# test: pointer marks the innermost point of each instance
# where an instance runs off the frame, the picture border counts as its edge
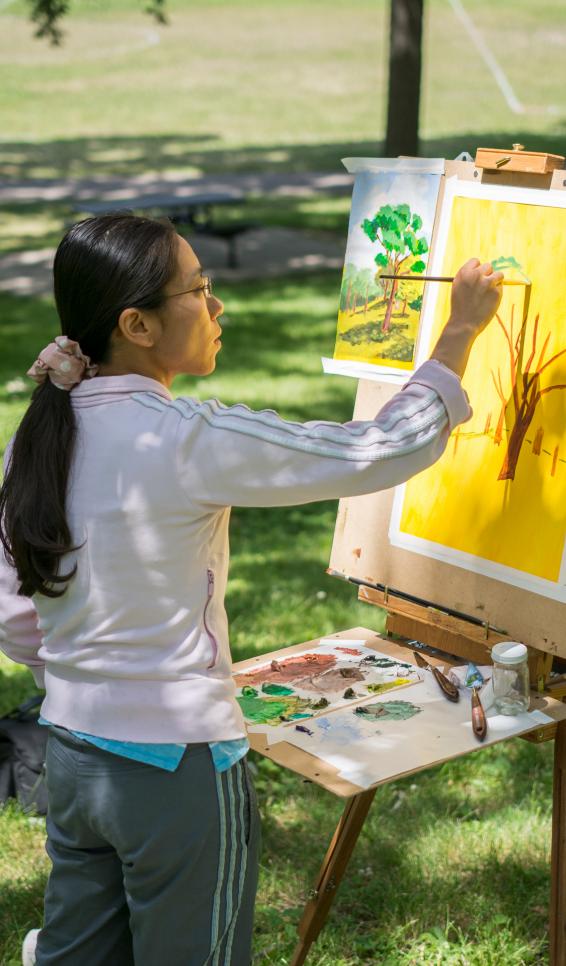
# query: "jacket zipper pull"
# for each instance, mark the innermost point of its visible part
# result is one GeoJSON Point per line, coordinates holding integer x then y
{"type": "Point", "coordinates": [210, 593]}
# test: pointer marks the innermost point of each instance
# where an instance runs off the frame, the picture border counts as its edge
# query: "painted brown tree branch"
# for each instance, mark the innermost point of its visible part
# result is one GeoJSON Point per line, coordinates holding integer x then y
{"type": "Point", "coordinates": [525, 390]}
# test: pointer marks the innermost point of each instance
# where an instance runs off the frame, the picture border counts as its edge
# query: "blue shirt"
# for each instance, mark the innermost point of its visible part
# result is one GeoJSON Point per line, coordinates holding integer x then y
{"type": "Point", "coordinates": [167, 756]}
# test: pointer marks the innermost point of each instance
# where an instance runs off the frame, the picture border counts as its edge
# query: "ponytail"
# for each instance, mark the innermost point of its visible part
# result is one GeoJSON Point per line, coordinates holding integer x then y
{"type": "Point", "coordinates": [33, 524]}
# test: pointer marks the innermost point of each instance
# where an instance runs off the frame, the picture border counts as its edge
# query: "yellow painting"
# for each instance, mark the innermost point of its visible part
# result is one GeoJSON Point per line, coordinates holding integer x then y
{"type": "Point", "coordinates": [495, 502]}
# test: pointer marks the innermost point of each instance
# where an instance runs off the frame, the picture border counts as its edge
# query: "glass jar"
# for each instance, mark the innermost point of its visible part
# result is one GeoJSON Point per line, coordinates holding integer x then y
{"type": "Point", "coordinates": [511, 686]}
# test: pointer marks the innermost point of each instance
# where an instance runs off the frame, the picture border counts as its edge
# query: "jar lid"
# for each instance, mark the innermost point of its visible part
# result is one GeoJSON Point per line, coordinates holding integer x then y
{"type": "Point", "coordinates": [508, 652]}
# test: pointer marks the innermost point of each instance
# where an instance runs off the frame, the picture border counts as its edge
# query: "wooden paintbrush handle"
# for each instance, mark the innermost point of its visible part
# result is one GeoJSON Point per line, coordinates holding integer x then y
{"type": "Point", "coordinates": [479, 720]}
{"type": "Point", "coordinates": [449, 689]}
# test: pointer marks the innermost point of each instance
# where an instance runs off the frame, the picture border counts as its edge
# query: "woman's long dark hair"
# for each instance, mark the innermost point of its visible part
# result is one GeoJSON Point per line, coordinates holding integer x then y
{"type": "Point", "coordinates": [103, 265]}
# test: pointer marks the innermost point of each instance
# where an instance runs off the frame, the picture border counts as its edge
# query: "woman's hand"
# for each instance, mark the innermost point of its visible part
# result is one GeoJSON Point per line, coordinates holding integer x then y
{"type": "Point", "coordinates": [476, 294]}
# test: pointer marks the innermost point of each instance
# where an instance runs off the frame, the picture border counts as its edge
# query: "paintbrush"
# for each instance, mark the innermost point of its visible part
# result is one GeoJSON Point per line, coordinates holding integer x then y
{"type": "Point", "coordinates": [443, 278]}
{"type": "Point", "coordinates": [448, 689]}
{"type": "Point", "coordinates": [479, 720]}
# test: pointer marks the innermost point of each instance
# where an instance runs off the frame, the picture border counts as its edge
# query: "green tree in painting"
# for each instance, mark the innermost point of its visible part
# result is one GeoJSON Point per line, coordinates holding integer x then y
{"type": "Point", "coordinates": [394, 228]}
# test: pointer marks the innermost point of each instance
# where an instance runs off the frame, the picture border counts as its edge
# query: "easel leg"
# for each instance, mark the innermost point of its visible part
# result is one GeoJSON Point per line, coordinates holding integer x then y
{"type": "Point", "coordinates": [558, 860]}
{"type": "Point", "coordinates": [331, 872]}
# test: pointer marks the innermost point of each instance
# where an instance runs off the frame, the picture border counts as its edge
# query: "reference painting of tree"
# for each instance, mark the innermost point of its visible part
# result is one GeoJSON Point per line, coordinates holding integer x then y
{"type": "Point", "coordinates": [394, 228]}
{"type": "Point", "coordinates": [389, 231]}
{"type": "Point", "coordinates": [526, 387]}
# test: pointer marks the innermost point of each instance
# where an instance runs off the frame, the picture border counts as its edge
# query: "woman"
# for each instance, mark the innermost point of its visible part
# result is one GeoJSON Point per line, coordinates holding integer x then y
{"type": "Point", "coordinates": [114, 521]}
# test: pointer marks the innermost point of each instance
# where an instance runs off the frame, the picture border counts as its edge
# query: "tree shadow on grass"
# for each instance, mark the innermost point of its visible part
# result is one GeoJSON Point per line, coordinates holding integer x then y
{"type": "Point", "coordinates": [88, 157]}
{"type": "Point", "coordinates": [395, 873]}
{"type": "Point", "coordinates": [277, 330]}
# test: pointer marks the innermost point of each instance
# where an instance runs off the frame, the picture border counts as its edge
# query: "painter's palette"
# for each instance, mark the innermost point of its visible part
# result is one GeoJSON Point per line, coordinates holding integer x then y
{"type": "Point", "coordinates": [332, 675]}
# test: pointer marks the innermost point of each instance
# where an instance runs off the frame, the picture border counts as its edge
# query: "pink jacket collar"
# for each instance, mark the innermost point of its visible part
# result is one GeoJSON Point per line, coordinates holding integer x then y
{"type": "Point", "coordinates": [101, 388]}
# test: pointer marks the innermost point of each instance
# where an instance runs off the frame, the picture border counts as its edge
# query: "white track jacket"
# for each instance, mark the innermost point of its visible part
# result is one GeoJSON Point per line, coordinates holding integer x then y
{"type": "Point", "coordinates": [137, 648]}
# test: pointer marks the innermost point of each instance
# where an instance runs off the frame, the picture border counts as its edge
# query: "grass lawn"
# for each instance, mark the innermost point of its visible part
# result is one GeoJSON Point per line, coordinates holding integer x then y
{"type": "Point", "coordinates": [452, 867]}
{"type": "Point", "coordinates": [264, 84]}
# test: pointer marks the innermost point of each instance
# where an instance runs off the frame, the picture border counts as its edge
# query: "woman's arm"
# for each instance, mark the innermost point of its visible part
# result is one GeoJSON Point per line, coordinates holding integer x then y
{"type": "Point", "coordinates": [20, 638]}
{"type": "Point", "coordinates": [234, 456]}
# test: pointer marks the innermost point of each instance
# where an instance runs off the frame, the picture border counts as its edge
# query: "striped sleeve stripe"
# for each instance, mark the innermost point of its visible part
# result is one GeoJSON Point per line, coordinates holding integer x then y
{"type": "Point", "coordinates": [417, 421]}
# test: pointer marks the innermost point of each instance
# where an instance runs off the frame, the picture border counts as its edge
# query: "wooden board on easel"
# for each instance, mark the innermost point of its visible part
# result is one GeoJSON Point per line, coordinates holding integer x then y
{"type": "Point", "coordinates": [362, 550]}
{"type": "Point", "coordinates": [321, 772]}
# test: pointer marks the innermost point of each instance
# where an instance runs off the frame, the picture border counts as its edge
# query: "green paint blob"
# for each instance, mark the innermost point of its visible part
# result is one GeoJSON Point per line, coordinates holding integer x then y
{"type": "Point", "coordinates": [275, 689]}
{"type": "Point", "coordinates": [249, 692]}
{"type": "Point", "coordinates": [259, 710]}
{"type": "Point", "coordinates": [394, 710]}
{"type": "Point", "coordinates": [264, 709]}
{"type": "Point", "coordinates": [507, 262]}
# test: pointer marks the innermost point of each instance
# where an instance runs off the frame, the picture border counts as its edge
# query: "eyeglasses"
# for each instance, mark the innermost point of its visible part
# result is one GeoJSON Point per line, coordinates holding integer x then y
{"type": "Point", "coordinates": [205, 287]}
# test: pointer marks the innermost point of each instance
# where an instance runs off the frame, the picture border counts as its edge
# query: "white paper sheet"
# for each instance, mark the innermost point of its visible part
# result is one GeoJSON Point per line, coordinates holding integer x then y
{"type": "Point", "coordinates": [364, 370]}
{"type": "Point", "coordinates": [367, 752]}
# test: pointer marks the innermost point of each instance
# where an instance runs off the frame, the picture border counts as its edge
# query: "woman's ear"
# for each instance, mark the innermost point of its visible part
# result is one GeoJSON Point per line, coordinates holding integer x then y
{"type": "Point", "coordinates": [136, 326]}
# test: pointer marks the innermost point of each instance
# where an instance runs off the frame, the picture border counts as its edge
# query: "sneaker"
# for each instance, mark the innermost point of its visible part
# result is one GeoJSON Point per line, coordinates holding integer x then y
{"type": "Point", "coordinates": [28, 947]}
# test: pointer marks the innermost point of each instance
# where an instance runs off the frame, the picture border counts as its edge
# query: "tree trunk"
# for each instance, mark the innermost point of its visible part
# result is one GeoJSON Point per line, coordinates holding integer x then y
{"type": "Point", "coordinates": [516, 441]}
{"type": "Point", "coordinates": [524, 416]}
{"type": "Point", "coordinates": [517, 437]}
{"type": "Point", "coordinates": [366, 305]}
{"type": "Point", "coordinates": [405, 46]}
{"type": "Point", "coordinates": [389, 311]}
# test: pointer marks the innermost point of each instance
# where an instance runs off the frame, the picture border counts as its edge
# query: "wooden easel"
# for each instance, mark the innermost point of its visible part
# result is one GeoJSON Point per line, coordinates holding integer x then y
{"type": "Point", "coordinates": [351, 823]}
{"type": "Point", "coordinates": [465, 636]}
{"type": "Point", "coordinates": [358, 802]}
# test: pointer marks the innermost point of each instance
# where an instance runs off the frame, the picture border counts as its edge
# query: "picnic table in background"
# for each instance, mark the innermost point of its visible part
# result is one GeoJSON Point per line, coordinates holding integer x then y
{"type": "Point", "coordinates": [197, 211]}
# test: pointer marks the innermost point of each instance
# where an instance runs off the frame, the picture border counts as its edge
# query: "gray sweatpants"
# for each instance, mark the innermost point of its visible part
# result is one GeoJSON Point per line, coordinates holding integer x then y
{"type": "Point", "coordinates": [150, 867]}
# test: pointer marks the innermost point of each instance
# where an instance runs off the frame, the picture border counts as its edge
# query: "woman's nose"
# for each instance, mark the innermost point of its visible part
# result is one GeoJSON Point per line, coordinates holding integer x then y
{"type": "Point", "coordinates": [216, 305]}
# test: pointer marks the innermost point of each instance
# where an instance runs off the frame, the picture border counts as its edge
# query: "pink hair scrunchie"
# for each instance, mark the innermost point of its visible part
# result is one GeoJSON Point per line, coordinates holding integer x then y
{"type": "Point", "coordinates": [63, 363]}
